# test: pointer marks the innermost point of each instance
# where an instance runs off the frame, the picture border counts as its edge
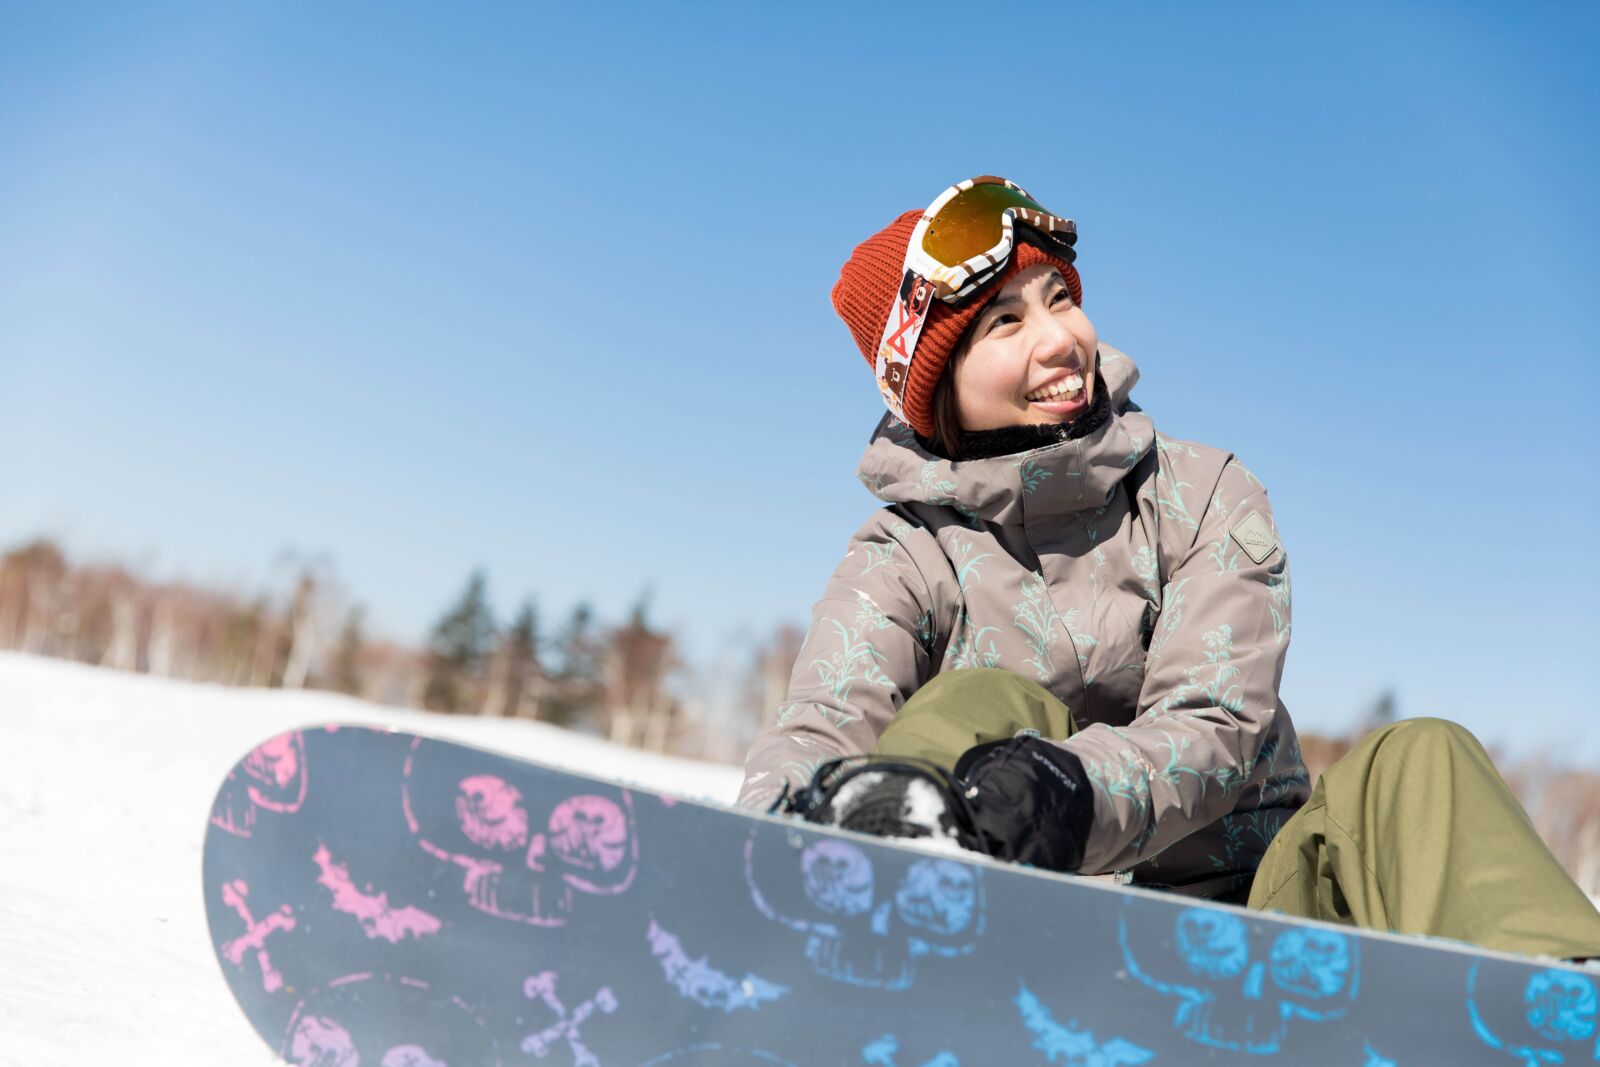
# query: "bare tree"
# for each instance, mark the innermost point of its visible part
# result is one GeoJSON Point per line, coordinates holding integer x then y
{"type": "Point", "coordinates": [91, 594]}
{"type": "Point", "coordinates": [270, 647]}
{"type": "Point", "coordinates": [30, 587]}
{"type": "Point", "coordinates": [126, 598]}
{"type": "Point", "coordinates": [773, 666]}
{"type": "Point", "coordinates": [162, 646]}
{"type": "Point", "coordinates": [347, 656]}
{"type": "Point", "coordinates": [514, 668]}
{"type": "Point", "coordinates": [637, 661]}
{"type": "Point", "coordinates": [393, 673]}
{"type": "Point", "coordinates": [304, 609]}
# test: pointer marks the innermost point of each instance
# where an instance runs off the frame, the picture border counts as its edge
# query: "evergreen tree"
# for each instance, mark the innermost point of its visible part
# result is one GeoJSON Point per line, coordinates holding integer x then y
{"type": "Point", "coordinates": [516, 665]}
{"type": "Point", "coordinates": [1381, 712]}
{"type": "Point", "coordinates": [239, 638]}
{"type": "Point", "coordinates": [347, 655]}
{"type": "Point", "coordinates": [458, 649]}
{"type": "Point", "coordinates": [637, 660]}
{"type": "Point", "coordinates": [576, 681]}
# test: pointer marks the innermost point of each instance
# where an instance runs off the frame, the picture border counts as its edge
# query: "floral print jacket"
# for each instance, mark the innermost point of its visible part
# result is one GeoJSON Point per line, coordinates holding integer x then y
{"type": "Point", "coordinates": [1138, 578]}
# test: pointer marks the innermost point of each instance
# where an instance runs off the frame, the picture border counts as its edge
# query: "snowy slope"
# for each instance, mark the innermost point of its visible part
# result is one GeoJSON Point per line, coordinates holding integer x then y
{"type": "Point", "coordinates": [106, 781]}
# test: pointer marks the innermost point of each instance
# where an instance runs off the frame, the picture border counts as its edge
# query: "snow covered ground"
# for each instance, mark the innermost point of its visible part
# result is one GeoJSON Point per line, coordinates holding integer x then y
{"type": "Point", "coordinates": [106, 782]}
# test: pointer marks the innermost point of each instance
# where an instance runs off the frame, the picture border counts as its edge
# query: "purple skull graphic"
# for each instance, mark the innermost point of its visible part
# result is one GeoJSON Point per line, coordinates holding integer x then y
{"type": "Point", "coordinates": [867, 918]}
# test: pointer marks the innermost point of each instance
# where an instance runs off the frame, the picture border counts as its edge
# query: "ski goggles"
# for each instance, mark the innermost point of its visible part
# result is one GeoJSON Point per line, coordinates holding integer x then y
{"type": "Point", "coordinates": [962, 242]}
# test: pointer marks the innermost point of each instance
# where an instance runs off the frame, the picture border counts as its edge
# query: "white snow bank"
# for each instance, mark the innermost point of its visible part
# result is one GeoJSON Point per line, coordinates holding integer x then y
{"type": "Point", "coordinates": [106, 781]}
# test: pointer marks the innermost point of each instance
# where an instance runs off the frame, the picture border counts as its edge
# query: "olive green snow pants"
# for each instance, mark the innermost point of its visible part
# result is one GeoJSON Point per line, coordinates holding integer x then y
{"type": "Point", "coordinates": [1411, 831]}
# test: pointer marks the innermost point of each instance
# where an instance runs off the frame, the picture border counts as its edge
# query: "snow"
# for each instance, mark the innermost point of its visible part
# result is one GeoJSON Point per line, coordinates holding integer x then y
{"type": "Point", "coordinates": [106, 786]}
{"type": "Point", "coordinates": [925, 806]}
{"type": "Point", "coordinates": [853, 789]}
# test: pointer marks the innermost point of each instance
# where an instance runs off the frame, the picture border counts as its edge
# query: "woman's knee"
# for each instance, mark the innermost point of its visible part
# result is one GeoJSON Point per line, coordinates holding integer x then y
{"type": "Point", "coordinates": [1408, 736]}
{"type": "Point", "coordinates": [993, 703]}
{"type": "Point", "coordinates": [974, 683]}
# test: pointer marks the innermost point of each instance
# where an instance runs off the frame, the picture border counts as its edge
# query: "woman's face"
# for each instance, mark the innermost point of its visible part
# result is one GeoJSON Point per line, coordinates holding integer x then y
{"type": "Point", "coordinates": [1030, 356]}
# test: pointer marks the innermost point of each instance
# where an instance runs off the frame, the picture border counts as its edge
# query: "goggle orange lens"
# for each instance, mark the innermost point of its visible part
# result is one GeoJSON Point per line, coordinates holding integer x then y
{"type": "Point", "coordinates": [969, 224]}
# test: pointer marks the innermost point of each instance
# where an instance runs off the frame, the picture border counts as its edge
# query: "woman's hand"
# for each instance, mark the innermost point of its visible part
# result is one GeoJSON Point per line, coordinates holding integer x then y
{"type": "Point", "coordinates": [1031, 801]}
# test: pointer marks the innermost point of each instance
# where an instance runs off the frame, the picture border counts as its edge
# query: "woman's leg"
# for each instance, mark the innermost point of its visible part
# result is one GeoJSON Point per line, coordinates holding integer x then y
{"type": "Point", "coordinates": [956, 710]}
{"type": "Point", "coordinates": [1414, 831]}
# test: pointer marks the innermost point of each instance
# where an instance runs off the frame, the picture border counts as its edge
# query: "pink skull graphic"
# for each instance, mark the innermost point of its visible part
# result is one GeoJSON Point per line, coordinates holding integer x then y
{"type": "Point", "coordinates": [271, 778]}
{"type": "Point", "coordinates": [485, 825]}
{"type": "Point", "coordinates": [867, 918]}
{"type": "Point", "coordinates": [236, 895]}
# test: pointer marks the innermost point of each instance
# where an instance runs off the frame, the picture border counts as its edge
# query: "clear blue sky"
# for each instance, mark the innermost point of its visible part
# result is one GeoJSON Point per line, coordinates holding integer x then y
{"type": "Point", "coordinates": [544, 289]}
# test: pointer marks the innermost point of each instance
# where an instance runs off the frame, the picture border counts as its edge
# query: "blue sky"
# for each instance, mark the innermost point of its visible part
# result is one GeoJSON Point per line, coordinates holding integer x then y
{"type": "Point", "coordinates": [423, 288]}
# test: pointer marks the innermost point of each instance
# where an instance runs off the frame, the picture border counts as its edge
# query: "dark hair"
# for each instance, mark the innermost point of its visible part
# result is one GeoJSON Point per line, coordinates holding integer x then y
{"type": "Point", "coordinates": [946, 422]}
{"type": "Point", "coordinates": [946, 419]}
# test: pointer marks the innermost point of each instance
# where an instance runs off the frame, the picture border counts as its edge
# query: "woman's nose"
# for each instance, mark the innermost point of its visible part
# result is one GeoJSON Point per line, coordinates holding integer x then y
{"type": "Point", "coordinates": [1053, 342]}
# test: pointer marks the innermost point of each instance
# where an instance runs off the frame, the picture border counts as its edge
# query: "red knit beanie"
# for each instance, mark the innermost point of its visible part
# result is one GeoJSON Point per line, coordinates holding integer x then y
{"type": "Point", "coordinates": [868, 283]}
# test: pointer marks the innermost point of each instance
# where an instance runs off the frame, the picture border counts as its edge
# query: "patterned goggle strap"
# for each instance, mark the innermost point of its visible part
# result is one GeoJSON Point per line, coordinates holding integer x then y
{"type": "Point", "coordinates": [899, 341]}
{"type": "Point", "coordinates": [958, 246]}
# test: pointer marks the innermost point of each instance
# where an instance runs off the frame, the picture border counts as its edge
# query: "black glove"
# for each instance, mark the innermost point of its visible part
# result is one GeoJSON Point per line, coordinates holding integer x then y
{"type": "Point", "coordinates": [1031, 800]}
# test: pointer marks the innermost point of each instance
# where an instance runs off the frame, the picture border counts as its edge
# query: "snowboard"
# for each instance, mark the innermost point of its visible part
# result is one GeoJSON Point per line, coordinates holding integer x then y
{"type": "Point", "coordinates": [384, 899]}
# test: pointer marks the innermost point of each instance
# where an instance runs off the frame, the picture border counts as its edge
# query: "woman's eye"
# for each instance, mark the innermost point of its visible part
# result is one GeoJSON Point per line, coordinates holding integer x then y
{"type": "Point", "coordinates": [1000, 320]}
{"type": "Point", "coordinates": [1060, 296]}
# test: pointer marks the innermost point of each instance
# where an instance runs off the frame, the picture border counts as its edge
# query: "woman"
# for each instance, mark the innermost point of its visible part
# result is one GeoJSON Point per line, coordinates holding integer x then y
{"type": "Point", "coordinates": [1087, 621]}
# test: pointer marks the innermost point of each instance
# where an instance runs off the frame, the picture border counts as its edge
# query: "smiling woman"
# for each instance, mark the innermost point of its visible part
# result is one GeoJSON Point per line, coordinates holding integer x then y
{"type": "Point", "coordinates": [1029, 360]}
{"type": "Point", "coordinates": [1061, 641]}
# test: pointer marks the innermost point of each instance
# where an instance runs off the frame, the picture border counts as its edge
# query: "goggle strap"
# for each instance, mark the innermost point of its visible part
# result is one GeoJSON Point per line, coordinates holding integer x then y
{"type": "Point", "coordinates": [907, 315]}
{"type": "Point", "coordinates": [1058, 242]}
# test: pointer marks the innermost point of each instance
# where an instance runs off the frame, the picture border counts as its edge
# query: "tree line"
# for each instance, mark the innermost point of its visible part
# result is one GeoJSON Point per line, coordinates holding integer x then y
{"type": "Point", "coordinates": [625, 681]}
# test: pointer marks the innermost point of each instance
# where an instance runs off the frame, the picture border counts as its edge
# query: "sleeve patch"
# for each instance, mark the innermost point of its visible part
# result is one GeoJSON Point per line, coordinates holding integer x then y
{"type": "Point", "coordinates": [1255, 537]}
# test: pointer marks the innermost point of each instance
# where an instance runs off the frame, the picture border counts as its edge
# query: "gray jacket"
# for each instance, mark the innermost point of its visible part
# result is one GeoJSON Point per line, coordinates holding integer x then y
{"type": "Point", "coordinates": [1138, 578]}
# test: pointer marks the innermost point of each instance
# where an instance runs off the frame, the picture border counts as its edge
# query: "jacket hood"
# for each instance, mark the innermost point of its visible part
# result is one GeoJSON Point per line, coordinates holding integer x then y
{"type": "Point", "coordinates": [1058, 479]}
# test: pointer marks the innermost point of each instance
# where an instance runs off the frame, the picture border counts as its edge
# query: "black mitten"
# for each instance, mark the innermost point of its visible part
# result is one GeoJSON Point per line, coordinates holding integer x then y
{"type": "Point", "coordinates": [1031, 801]}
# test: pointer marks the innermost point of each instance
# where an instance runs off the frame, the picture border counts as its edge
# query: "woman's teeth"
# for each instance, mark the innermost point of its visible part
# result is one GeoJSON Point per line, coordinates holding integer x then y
{"type": "Point", "coordinates": [1065, 389]}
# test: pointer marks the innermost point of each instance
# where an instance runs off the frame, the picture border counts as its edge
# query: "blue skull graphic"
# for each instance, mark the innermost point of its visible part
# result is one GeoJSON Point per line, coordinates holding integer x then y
{"type": "Point", "coordinates": [1236, 989]}
{"type": "Point", "coordinates": [1560, 1009]}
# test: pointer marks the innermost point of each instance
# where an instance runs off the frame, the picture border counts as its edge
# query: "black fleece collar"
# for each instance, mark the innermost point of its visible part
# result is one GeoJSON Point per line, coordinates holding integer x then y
{"type": "Point", "coordinates": [1009, 440]}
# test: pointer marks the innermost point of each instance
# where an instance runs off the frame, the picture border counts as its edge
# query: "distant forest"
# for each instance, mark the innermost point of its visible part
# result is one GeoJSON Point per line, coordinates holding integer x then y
{"type": "Point", "coordinates": [623, 680]}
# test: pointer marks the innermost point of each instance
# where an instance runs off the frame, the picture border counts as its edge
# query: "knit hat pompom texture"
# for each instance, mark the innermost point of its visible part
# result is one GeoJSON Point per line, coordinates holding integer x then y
{"type": "Point", "coordinates": [870, 280]}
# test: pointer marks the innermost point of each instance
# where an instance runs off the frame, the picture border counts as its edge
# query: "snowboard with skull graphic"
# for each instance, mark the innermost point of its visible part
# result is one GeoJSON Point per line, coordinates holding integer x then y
{"type": "Point", "coordinates": [381, 898]}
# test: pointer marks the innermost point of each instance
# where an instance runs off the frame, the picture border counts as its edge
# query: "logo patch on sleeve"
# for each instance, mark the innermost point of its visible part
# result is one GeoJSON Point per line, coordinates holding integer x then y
{"type": "Point", "coordinates": [1255, 537]}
